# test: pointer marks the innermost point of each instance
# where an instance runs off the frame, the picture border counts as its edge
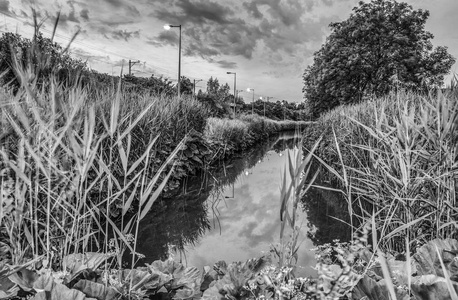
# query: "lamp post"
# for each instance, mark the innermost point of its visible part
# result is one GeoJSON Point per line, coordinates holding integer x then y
{"type": "Point", "coordinates": [194, 90]}
{"type": "Point", "coordinates": [252, 101]}
{"type": "Point", "coordinates": [235, 85]}
{"type": "Point", "coordinates": [167, 27]}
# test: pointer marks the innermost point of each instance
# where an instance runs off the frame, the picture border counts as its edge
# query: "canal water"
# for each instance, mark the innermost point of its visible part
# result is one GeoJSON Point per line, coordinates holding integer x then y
{"type": "Point", "coordinates": [232, 213]}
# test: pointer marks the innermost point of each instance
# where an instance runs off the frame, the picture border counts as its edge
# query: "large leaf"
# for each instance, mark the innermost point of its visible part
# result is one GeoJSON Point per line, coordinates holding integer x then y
{"type": "Point", "coordinates": [236, 277]}
{"type": "Point", "coordinates": [60, 292]}
{"type": "Point", "coordinates": [427, 258]}
{"type": "Point", "coordinates": [376, 290]}
{"type": "Point", "coordinates": [185, 282]}
{"type": "Point", "coordinates": [219, 289]}
{"type": "Point", "coordinates": [7, 288]}
{"type": "Point", "coordinates": [431, 287]}
{"type": "Point", "coordinates": [137, 278]}
{"type": "Point", "coordinates": [158, 280]}
{"type": "Point", "coordinates": [25, 278]}
{"type": "Point", "coordinates": [45, 282]}
{"type": "Point", "coordinates": [78, 262]}
{"type": "Point", "coordinates": [208, 277]}
{"type": "Point", "coordinates": [188, 283]}
{"type": "Point", "coordinates": [96, 290]}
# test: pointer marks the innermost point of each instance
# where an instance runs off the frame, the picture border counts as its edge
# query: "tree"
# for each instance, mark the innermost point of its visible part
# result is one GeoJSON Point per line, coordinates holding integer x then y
{"type": "Point", "coordinates": [186, 86]}
{"type": "Point", "coordinates": [382, 45]}
{"type": "Point", "coordinates": [212, 86]}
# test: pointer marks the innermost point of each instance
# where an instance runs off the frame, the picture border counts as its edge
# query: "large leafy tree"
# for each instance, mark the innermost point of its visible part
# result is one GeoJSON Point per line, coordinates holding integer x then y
{"type": "Point", "coordinates": [382, 45]}
{"type": "Point", "coordinates": [217, 97]}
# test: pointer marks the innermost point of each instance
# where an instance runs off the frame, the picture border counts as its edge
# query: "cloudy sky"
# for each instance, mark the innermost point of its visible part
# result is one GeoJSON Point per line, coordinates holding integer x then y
{"type": "Point", "coordinates": [268, 43]}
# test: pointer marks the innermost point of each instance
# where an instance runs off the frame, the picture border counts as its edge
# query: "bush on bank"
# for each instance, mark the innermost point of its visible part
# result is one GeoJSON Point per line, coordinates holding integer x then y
{"type": "Point", "coordinates": [227, 136]}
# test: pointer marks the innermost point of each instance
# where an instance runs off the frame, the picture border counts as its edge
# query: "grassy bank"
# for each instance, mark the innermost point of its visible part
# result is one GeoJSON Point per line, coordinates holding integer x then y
{"type": "Point", "coordinates": [399, 154]}
{"type": "Point", "coordinates": [395, 161]}
{"type": "Point", "coordinates": [80, 167]}
{"type": "Point", "coordinates": [233, 135]}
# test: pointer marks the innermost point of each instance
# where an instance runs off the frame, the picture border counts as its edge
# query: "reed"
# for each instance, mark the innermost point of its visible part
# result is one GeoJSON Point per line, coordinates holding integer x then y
{"type": "Point", "coordinates": [79, 168]}
{"type": "Point", "coordinates": [399, 154]}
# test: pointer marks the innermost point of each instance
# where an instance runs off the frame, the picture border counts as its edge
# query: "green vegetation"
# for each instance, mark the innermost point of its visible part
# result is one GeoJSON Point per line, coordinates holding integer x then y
{"type": "Point", "coordinates": [381, 46]}
{"type": "Point", "coordinates": [82, 162]}
{"type": "Point", "coordinates": [229, 135]}
{"type": "Point", "coordinates": [394, 159]}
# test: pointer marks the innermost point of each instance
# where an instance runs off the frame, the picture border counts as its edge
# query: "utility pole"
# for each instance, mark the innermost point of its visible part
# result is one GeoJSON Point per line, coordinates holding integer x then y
{"type": "Point", "coordinates": [131, 63]}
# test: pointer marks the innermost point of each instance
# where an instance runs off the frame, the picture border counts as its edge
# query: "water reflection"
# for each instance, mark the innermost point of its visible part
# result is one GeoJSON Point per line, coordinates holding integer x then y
{"type": "Point", "coordinates": [214, 202]}
{"type": "Point", "coordinates": [327, 214]}
{"type": "Point", "coordinates": [231, 212]}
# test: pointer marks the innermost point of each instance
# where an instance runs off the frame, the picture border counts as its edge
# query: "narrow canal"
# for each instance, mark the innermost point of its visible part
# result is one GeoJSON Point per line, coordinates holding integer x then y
{"type": "Point", "coordinates": [232, 213]}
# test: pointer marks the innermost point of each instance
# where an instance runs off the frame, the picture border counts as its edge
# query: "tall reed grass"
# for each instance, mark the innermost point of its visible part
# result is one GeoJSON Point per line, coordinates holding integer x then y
{"type": "Point", "coordinates": [79, 168]}
{"type": "Point", "coordinates": [400, 155]}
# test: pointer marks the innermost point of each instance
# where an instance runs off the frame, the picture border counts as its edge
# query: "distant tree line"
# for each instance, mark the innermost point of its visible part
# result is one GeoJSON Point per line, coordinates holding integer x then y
{"type": "Point", "coordinates": [47, 57]}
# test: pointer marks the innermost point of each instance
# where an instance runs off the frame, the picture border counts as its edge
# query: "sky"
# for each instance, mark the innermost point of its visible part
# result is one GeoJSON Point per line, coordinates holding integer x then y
{"type": "Point", "coordinates": [267, 43]}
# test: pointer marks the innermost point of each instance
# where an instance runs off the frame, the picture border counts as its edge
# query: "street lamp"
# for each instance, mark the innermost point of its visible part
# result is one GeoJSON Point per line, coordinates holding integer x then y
{"type": "Point", "coordinates": [252, 101]}
{"type": "Point", "coordinates": [235, 85]}
{"type": "Point", "coordinates": [167, 27]}
{"type": "Point", "coordinates": [194, 92]}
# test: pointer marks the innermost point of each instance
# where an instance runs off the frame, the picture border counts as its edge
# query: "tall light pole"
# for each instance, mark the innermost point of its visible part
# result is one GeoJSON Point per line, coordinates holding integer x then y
{"type": "Point", "coordinates": [235, 85]}
{"type": "Point", "coordinates": [252, 101]}
{"type": "Point", "coordinates": [167, 27]}
{"type": "Point", "coordinates": [194, 91]}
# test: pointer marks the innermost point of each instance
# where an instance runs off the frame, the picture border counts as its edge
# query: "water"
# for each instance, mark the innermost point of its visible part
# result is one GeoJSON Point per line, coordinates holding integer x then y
{"type": "Point", "coordinates": [232, 213]}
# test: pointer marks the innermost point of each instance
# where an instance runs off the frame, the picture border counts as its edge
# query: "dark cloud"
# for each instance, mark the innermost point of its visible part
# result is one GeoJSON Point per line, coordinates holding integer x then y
{"type": "Point", "coordinates": [115, 3]}
{"type": "Point", "coordinates": [5, 7]}
{"type": "Point", "coordinates": [253, 10]}
{"type": "Point", "coordinates": [84, 14]}
{"type": "Point", "coordinates": [131, 10]}
{"type": "Point", "coordinates": [194, 12]}
{"type": "Point", "coordinates": [212, 29]}
{"type": "Point", "coordinates": [168, 37]}
{"type": "Point", "coordinates": [209, 28]}
{"type": "Point", "coordinates": [125, 35]}
{"type": "Point", "coordinates": [227, 64]}
{"type": "Point", "coordinates": [68, 17]}
{"type": "Point", "coordinates": [288, 12]}
{"type": "Point", "coordinates": [196, 49]}
{"type": "Point", "coordinates": [64, 18]}
{"type": "Point", "coordinates": [116, 23]}
{"type": "Point", "coordinates": [330, 3]}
